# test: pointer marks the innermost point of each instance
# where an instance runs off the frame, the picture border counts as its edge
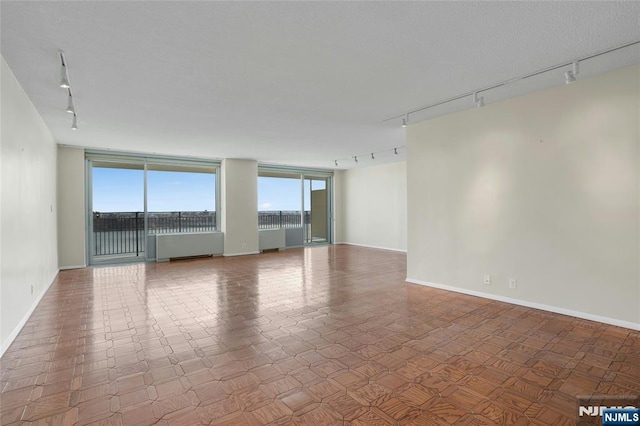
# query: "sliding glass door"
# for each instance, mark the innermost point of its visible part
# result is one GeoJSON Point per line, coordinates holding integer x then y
{"type": "Point", "coordinates": [116, 218]}
{"type": "Point", "coordinates": [297, 203]}
{"type": "Point", "coordinates": [130, 202]}
{"type": "Point", "coordinates": [316, 199]}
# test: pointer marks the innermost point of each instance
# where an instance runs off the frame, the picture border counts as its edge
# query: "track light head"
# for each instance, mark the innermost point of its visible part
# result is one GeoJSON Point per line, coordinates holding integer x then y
{"type": "Point", "coordinates": [569, 77]}
{"type": "Point", "coordinates": [478, 100]}
{"type": "Point", "coordinates": [64, 79]}
{"type": "Point", "coordinates": [356, 158]}
{"type": "Point", "coordinates": [74, 123]}
{"type": "Point", "coordinates": [336, 161]}
{"type": "Point", "coordinates": [395, 151]}
{"type": "Point", "coordinates": [404, 122]}
{"type": "Point", "coordinates": [64, 76]}
{"type": "Point", "coordinates": [70, 107]}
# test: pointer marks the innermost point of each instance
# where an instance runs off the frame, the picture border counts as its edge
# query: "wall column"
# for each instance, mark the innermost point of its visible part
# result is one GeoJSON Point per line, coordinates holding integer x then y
{"type": "Point", "coordinates": [71, 208]}
{"type": "Point", "coordinates": [239, 199]}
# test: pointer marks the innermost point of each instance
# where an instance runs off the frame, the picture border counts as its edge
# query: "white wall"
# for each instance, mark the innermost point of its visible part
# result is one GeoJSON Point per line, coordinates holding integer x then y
{"type": "Point", "coordinates": [373, 206]}
{"type": "Point", "coordinates": [543, 188]}
{"type": "Point", "coordinates": [239, 199]}
{"type": "Point", "coordinates": [28, 204]}
{"type": "Point", "coordinates": [71, 208]}
{"type": "Point", "coordinates": [338, 217]}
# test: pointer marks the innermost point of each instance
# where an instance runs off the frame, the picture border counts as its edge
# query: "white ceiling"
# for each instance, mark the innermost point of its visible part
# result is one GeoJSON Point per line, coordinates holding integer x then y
{"type": "Point", "coordinates": [300, 83]}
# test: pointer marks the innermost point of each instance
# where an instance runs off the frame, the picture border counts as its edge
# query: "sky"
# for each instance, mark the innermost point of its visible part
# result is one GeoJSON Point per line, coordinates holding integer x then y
{"type": "Point", "coordinates": [122, 190]}
{"type": "Point", "coordinates": [278, 194]}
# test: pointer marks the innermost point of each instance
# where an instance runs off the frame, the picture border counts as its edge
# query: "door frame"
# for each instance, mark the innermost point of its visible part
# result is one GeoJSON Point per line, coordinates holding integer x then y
{"type": "Point", "coordinates": [91, 258]}
{"type": "Point", "coordinates": [302, 174]}
{"type": "Point", "coordinates": [329, 207]}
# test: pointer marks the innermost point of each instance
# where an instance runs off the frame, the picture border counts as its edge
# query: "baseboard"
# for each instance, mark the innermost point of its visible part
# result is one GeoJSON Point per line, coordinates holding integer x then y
{"type": "Point", "coordinates": [34, 305]}
{"type": "Point", "coordinates": [240, 254]}
{"type": "Point", "coordinates": [373, 247]}
{"type": "Point", "coordinates": [64, 268]}
{"type": "Point", "coordinates": [548, 308]}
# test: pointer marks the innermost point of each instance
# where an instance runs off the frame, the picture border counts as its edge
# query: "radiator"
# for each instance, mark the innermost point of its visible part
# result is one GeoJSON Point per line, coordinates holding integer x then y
{"type": "Point", "coordinates": [169, 246]}
{"type": "Point", "coordinates": [271, 239]}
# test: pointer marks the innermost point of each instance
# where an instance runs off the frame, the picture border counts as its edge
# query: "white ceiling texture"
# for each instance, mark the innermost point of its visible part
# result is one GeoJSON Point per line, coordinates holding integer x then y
{"type": "Point", "coordinates": [298, 83]}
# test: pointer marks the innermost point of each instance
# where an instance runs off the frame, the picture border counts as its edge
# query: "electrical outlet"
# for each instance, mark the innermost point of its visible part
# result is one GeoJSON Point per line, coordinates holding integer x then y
{"type": "Point", "coordinates": [487, 279]}
{"type": "Point", "coordinates": [244, 246]}
{"type": "Point", "coordinates": [513, 283]}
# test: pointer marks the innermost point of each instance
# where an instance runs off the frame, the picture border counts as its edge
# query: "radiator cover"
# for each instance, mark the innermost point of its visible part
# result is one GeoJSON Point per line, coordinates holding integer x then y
{"type": "Point", "coordinates": [271, 239]}
{"type": "Point", "coordinates": [170, 246]}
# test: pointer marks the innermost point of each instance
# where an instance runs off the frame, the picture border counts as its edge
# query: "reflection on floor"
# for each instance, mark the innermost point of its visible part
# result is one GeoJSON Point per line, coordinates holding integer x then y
{"type": "Point", "coordinates": [314, 336]}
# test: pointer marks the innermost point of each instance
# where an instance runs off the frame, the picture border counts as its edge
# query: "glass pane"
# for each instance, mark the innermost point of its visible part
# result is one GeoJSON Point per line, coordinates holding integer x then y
{"type": "Point", "coordinates": [180, 201]}
{"type": "Point", "coordinates": [118, 211]}
{"type": "Point", "coordinates": [279, 201]}
{"type": "Point", "coordinates": [316, 210]}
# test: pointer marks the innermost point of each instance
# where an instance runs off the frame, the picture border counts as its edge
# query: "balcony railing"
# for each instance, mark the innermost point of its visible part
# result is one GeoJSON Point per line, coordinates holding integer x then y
{"type": "Point", "coordinates": [122, 233]}
{"type": "Point", "coordinates": [282, 219]}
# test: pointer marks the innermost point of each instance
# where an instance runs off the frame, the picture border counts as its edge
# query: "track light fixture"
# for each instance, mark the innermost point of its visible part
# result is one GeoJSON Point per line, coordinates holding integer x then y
{"type": "Point", "coordinates": [64, 75]}
{"type": "Point", "coordinates": [375, 155]}
{"type": "Point", "coordinates": [64, 80]}
{"type": "Point", "coordinates": [70, 108]}
{"type": "Point", "coordinates": [478, 101]}
{"type": "Point", "coordinates": [64, 83]}
{"type": "Point", "coordinates": [570, 76]}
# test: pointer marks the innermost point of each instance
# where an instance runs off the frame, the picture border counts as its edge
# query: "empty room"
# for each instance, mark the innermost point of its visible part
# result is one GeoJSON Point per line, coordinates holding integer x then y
{"type": "Point", "coordinates": [320, 213]}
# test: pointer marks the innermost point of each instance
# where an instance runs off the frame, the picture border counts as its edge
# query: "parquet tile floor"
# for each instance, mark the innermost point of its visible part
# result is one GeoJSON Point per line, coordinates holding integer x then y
{"type": "Point", "coordinates": [315, 336]}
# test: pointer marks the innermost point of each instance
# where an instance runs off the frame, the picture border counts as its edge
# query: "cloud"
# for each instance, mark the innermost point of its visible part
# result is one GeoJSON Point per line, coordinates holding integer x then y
{"type": "Point", "coordinates": [265, 206]}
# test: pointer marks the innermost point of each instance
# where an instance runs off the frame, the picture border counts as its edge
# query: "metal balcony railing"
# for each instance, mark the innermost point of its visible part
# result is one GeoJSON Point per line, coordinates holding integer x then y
{"type": "Point", "coordinates": [122, 233]}
{"type": "Point", "coordinates": [282, 219]}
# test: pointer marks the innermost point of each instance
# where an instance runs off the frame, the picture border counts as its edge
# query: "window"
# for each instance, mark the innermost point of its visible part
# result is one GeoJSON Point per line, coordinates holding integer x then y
{"type": "Point", "coordinates": [133, 198]}
{"type": "Point", "coordinates": [180, 199]}
{"type": "Point", "coordinates": [279, 202]}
